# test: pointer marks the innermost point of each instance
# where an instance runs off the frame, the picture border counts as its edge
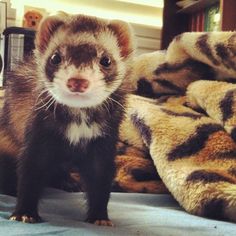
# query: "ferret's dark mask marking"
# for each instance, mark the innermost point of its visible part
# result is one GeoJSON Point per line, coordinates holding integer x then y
{"type": "Point", "coordinates": [110, 72]}
{"type": "Point", "coordinates": [105, 61]}
{"type": "Point", "coordinates": [81, 55]}
{"type": "Point", "coordinates": [50, 69]}
{"type": "Point", "coordinates": [55, 59]}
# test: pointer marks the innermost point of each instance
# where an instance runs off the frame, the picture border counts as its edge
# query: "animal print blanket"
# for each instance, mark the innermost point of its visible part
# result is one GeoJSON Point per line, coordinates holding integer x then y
{"type": "Point", "coordinates": [180, 124]}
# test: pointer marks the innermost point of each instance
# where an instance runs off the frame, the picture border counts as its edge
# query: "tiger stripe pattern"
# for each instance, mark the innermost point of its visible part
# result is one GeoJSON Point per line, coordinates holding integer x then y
{"type": "Point", "coordinates": [187, 121]}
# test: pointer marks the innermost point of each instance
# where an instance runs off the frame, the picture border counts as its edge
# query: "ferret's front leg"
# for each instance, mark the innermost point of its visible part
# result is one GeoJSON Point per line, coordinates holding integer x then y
{"type": "Point", "coordinates": [35, 165]}
{"type": "Point", "coordinates": [97, 173]}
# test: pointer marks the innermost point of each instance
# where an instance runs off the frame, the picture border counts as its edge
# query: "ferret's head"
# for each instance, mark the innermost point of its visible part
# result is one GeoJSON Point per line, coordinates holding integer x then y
{"type": "Point", "coordinates": [82, 60]}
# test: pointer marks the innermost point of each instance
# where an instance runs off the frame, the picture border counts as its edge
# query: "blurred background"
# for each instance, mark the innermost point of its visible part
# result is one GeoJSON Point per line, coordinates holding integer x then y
{"type": "Point", "coordinates": [144, 15]}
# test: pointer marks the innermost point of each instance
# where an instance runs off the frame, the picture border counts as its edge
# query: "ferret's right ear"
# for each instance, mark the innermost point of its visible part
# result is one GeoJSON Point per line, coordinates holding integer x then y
{"type": "Point", "coordinates": [124, 34]}
{"type": "Point", "coordinates": [46, 29]}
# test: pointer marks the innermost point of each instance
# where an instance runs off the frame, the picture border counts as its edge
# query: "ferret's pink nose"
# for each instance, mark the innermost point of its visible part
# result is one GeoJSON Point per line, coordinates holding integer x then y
{"type": "Point", "coordinates": [77, 85]}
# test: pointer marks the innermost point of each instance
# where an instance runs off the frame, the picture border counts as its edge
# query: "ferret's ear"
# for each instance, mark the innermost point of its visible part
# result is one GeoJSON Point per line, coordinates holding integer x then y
{"type": "Point", "coordinates": [124, 33]}
{"type": "Point", "coordinates": [46, 29]}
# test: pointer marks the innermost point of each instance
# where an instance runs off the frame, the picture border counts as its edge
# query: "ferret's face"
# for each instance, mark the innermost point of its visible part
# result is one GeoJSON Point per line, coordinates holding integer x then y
{"type": "Point", "coordinates": [82, 68]}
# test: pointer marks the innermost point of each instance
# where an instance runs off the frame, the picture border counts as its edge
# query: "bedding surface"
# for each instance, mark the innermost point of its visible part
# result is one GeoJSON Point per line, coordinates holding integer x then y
{"type": "Point", "coordinates": [132, 214]}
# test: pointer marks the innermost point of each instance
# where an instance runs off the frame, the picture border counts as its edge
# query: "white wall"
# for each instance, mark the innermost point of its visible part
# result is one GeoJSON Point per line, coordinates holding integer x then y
{"type": "Point", "coordinates": [144, 15]}
{"type": "Point", "coordinates": [148, 39]}
{"type": "Point", "coordinates": [132, 12]}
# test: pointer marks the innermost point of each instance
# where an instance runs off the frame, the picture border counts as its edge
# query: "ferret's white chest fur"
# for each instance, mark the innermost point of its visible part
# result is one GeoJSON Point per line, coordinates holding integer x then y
{"type": "Point", "coordinates": [75, 132]}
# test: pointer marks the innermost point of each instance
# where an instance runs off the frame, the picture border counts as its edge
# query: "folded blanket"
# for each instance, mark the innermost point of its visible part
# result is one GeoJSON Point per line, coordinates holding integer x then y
{"type": "Point", "coordinates": [181, 119]}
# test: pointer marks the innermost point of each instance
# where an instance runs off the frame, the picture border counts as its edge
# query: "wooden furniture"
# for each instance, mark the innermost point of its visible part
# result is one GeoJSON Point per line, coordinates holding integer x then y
{"type": "Point", "coordinates": [176, 20]}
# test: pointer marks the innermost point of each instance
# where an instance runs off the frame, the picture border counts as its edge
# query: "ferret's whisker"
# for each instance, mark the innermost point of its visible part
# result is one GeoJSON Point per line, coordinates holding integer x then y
{"type": "Point", "coordinates": [43, 100]}
{"type": "Point", "coordinates": [41, 94]}
{"type": "Point", "coordinates": [54, 110]}
{"type": "Point", "coordinates": [53, 100]}
{"type": "Point", "coordinates": [44, 105]}
{"type": "Point", "coordinates": [117, 102]}
{"type": "Point", "coordinates": [106, 105]}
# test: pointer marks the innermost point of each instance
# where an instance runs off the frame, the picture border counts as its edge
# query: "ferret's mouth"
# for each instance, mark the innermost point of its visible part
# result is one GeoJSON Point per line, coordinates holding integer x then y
{"type": "Point", "coordinates": [79, 100]}
{"type": "Point", "coordinates": [75, 95]}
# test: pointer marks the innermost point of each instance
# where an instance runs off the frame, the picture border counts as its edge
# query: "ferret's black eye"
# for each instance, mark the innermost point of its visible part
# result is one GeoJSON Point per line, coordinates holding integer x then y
{"type": "Point", "coordinates": [55, 59]}
{"type": "Point", "coordinates": [105, 61]}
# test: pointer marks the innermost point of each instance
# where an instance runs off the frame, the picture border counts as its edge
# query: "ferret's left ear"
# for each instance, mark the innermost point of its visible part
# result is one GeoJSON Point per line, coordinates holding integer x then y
{"type": "Point", "coordinates": [124, 34]}
{"type": "Point", "coordinates": [47, 28]}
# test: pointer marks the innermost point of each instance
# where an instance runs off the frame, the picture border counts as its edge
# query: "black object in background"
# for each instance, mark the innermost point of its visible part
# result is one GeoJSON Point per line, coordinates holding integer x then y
{"type": "Point", "coordinates": [19, 44]}
{"type": "Point", "coordinates": [1, 64]}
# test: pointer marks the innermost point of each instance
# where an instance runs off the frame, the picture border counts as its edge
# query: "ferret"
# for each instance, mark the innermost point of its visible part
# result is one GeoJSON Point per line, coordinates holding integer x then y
{"type": "Point", "coordinates": [65, 106]}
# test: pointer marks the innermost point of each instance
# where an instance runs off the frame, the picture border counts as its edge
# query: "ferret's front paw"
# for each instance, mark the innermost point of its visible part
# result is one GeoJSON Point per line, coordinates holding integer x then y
{"type": "Point", "coordinates": [103, 223]}
{"type": "Point", "coordinates": [25, 218]}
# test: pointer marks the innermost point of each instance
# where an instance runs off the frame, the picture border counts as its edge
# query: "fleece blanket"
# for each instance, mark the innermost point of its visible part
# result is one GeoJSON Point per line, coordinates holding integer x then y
{"type": "Point", "coordinates": [180, 125]}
